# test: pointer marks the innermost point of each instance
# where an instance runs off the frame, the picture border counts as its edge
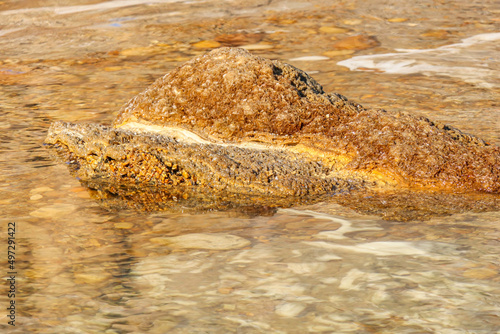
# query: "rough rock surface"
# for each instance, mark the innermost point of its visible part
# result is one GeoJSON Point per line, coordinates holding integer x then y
{"type": "Point", "coordinates": [230, 120]}
{"type": "Point", "coordinates": [126, 157]}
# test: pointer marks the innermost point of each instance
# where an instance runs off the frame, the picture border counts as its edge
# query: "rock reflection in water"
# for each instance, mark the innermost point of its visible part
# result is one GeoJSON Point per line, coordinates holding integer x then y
{"type": "Point", "coordinates": [402, 205]}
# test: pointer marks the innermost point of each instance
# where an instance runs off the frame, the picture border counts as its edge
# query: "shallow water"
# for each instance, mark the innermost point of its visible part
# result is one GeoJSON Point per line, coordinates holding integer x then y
{"type": "Point", "coordinates": [322, 268]}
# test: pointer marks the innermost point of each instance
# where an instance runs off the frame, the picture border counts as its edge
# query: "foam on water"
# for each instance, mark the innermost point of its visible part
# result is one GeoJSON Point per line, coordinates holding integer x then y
{"type": "Point", "coordinates": [328, 239]}
{"type": "Point", "coordinates": [84, 8]}
{"type": "Point", "coordinates": [472, 60]}
{"type": "Point", "coordinates": [347, 226]}
{"type": "Point", "coordinates": [380, 248]}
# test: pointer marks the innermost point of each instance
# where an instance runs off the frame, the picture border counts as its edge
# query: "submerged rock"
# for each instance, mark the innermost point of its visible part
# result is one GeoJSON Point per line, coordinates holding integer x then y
{"type": "Point", "coordinates": [232, 121]}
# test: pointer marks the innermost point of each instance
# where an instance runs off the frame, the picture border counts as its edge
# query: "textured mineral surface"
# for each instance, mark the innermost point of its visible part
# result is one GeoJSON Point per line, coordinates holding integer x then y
{"type": "Point", "coordinates": [231, 121]}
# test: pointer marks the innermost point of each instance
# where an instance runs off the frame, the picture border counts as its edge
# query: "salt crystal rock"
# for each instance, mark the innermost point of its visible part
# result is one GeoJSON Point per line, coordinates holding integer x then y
{"type": "Point", "coordinates": [481, 273]}
{"type": "Point", "coordinates": [36, 197]}
{"type": "Point", "coordinates": [229, 120]}
{"type": "Point", "coordinates": [310, 58]}
{"type": "Point", "coordinates": [359, 42]}
{"type": "Point", "coordinates": [40, 190]}
{"type": "Point", "coordinates": [289, 310]}
{"type": "Point", "coordinates": [333, 30]}
{"type": "Point", "coordinates": [54, 211]}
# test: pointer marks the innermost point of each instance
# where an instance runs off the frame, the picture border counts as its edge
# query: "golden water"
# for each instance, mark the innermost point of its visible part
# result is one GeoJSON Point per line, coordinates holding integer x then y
{"type": "Point", "coordinates": [320, 268]}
